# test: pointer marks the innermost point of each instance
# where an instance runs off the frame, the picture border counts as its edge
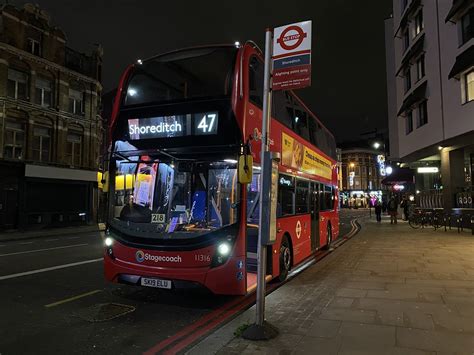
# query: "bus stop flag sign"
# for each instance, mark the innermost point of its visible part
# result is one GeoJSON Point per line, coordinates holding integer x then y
{"type": "Point", "coordinates": [292, 56]}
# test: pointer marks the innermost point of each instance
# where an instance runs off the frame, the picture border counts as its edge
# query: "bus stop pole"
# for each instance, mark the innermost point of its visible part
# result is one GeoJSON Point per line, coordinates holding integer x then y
{"type": "Point", "coordinates": [261, 251]}
{"type": "Point", "coordinates": [262, 330]}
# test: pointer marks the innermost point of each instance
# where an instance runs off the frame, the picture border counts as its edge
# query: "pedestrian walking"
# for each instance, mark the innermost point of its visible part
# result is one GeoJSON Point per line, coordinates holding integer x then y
{"type": "Point", "coordinates": [404, 205]}
{"type": "Point", "coordinates": [392, 207]}
{"type": "Point", "coordinates": [378, 211]}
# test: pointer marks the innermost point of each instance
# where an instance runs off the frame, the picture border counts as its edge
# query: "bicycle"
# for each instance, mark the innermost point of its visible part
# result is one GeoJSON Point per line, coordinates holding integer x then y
{"type": "Point", "coordinates": [420, 218]}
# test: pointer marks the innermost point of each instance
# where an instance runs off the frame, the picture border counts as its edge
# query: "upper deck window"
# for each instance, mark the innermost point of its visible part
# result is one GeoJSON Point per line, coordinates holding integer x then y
{"type": "Point", "coordinates": [182, 75]}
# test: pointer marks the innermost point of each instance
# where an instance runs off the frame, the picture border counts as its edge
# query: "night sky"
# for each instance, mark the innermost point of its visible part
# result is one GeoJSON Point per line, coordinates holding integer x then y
{"type": "Point", "coordinates": [348, 91]}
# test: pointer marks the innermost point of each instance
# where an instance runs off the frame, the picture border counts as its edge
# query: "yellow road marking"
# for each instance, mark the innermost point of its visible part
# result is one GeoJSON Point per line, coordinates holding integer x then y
{"type": "Point", "coordinates": [72, 298]}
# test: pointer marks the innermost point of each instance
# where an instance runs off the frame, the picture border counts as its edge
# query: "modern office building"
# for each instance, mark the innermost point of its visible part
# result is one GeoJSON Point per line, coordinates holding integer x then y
{"type": "Point", "coordinates": [430, 86]}
{"type": "Point", "coordinates": [50, 127]}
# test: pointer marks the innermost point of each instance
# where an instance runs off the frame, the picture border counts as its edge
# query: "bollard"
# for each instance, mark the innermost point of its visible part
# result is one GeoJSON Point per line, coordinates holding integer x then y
{"type": "Point", "coordinates": [457, 222]}
{"type": "Point", "coordinates": [445, 220]}
{"type": "Point", "coordinates": [449, 219]}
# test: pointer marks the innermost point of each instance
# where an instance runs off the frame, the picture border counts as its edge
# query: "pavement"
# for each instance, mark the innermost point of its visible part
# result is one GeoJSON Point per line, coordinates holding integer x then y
{"type": "Point", "coordinates": [389, 290]}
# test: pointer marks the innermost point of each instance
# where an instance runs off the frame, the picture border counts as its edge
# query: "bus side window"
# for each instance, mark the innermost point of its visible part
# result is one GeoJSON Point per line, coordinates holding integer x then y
{"type": "Point", "coordinates": [286, 195]}
{"type": "Point", "coordinates": [256, 81]}
{"type": "Point", "coordinates": [301, 124]}
{"type": "Point", "coordinates": [281, 110]}
{"type": "Point", "coordinates": [325, 198]}
{"type": "Point", "coordinates": [302, 194]}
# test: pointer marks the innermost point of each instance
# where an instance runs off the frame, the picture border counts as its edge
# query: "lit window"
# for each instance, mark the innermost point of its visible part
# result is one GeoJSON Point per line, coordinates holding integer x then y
{"type": "Point", "coordinates": [469, 79]}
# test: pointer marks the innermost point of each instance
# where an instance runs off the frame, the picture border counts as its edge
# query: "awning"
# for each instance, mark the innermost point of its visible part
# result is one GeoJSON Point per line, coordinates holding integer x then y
{"type": "Point", "coordinates": [415, 49]}
{"type": "Point", "coordinates": [457, 7]}
{"type": "Point", "coordinates": [463, 62]}
{"type": "Point", "coordinates": [400, 176]}
{"type": "Point", "coordinates": [416, 96]}
{"type": "Point", "coordinates": [408, 11]}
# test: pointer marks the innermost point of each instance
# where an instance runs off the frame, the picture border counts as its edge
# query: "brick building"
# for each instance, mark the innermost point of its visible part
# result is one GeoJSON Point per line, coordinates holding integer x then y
{"type": "Point", "coordinates": [50, 125]}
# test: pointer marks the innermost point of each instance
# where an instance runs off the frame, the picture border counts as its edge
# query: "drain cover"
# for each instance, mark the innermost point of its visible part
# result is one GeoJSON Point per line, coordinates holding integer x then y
{"type": "Point", "coordinates": [104, 311]}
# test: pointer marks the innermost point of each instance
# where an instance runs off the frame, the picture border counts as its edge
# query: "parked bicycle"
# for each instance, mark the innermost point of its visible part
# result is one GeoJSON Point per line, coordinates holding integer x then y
{"type": "Point", "coordinates": [421, 218]}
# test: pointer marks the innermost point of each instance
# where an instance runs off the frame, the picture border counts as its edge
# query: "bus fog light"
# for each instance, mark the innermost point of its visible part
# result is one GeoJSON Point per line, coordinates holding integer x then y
{"type": "Point", "coordinates": [108, 242]}
{"type": "Point", "coordinates": [223, 249]}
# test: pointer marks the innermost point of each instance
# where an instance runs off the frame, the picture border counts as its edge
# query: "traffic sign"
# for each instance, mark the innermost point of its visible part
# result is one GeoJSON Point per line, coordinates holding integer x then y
{"type": "Point", "coordinates": [292, 56]}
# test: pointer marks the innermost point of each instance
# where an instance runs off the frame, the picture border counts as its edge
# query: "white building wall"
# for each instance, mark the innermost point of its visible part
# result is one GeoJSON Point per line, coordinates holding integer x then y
{"type": "Point", "coordinates": [447, 115]}
{"type": "Point", "coordinates": [459, 116]}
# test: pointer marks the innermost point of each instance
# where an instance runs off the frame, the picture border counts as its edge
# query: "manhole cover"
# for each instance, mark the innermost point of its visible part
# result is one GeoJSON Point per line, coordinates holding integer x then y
{"type": "Point", "coordinates": [104, 311]}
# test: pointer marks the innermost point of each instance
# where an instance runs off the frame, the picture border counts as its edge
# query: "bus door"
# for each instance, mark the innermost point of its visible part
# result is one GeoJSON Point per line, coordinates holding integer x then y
{"type": "Point", "coordinates": [314, 208]}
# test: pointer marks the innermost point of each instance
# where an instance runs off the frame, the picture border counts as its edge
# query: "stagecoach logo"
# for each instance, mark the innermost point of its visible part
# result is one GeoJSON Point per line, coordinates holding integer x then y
{"type": "Point", "coordinates": [140, 256]}
{"type": "Point", "coordinates": [291, 37]}
{"type": "Point", "coordinates": [298, 229]}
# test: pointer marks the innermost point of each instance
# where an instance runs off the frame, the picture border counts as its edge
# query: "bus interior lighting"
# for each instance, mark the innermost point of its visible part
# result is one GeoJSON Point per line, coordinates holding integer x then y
{"type": "Point", "coordinates": [139, 61]}
{"type": "Point", "coordinates": [132, 92]}
{"type": "Point", "coordinates": [231, 161]}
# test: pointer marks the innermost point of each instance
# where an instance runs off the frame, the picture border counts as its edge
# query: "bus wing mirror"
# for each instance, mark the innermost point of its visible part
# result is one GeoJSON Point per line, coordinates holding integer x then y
{"type": "Point", "coordinates": [245, 168]}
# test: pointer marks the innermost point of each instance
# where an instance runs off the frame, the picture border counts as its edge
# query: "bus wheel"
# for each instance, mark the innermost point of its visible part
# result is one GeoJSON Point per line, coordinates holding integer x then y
{"type": "Point", "coordinates": [328, 238]}
{"type": "Point", "coordinates": [285, 259]}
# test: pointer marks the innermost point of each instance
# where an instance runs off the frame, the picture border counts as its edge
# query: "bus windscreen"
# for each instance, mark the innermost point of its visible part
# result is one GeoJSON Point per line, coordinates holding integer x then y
{"type": "Point", "coordinates": [189, 74]}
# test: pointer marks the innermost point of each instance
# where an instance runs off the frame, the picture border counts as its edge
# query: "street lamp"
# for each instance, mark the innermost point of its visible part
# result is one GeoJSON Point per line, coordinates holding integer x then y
{"type": "Point", "coordinates": [376, 145]}
{"type": "Point", "coordinates": [351, 165]}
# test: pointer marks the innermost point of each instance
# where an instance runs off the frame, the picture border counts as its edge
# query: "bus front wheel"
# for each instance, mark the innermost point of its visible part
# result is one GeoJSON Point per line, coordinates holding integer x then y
{"type": "Point", "coordinates": [285, 259]}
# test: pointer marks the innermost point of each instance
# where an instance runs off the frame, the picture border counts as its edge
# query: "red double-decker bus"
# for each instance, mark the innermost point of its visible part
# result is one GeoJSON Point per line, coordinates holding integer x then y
{"type": "Point", "coordinates": [178, 216]}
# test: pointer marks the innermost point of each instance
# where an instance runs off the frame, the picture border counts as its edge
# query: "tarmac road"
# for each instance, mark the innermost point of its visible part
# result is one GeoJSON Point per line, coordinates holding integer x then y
{"type": "Point", "coordinates": [51, 287]}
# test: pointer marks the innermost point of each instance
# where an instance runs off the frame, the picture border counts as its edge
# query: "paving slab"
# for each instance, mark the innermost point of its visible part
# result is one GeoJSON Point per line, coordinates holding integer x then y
{"type": "Point", "coordinates": [388, 290]}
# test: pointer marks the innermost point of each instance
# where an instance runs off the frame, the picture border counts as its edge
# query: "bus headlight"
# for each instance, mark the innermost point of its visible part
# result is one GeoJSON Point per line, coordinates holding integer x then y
{"type": "Point", "coordinates": [108, 242]}
{"type": "Point", "coordinates": [223, 249]}
{"type": "Point", "coordinates": [222, 253]}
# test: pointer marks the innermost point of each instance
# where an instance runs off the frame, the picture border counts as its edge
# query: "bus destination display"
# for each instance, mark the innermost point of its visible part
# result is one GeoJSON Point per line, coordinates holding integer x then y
{"type": "Point", "coordinates": [195, 124]}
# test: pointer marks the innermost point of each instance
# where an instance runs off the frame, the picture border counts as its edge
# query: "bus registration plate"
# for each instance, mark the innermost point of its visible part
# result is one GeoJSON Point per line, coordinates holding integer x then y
{"type": "Point", "coordinates": [158, 283]}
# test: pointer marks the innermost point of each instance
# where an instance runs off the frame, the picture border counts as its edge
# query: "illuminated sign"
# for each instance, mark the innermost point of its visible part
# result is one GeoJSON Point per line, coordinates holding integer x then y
{"type": "Point", "coordinates": [285, 182]}
{"type": "Point", "coordinates": [381, 161]}
{"type": "Point", "coordinates": [428, 169]}
{"type": "Point", "coordinates": [173, 126]}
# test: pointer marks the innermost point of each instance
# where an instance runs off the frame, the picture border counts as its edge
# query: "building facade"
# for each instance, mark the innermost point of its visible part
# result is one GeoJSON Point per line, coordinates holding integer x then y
{"type": "Point", "coordinates": [430, 86]}
{"type": "Point", "coordinates": [362, 171]}
{"type": "Point", "coordinates": [50, 127]}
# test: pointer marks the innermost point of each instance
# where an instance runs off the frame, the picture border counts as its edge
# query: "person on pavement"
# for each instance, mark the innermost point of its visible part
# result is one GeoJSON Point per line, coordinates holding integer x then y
{"type": "Point", "coordinates": [392, 207]}
{"type": "Point", "coordinates": [378, 210]}
{"type": "Point", "coordinates": [404, 205]}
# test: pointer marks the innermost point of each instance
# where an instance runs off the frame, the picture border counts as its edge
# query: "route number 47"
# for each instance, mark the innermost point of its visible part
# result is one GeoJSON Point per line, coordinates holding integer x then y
{"type": "Point", "coordinates": [206, 125]}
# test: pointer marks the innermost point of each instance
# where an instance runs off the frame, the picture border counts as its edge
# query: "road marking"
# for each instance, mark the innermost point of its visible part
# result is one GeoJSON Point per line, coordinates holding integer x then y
{"type": "Point", "coordinates": [24, 243]}
{"type": "Point", "coordinates": [45, 249]}
{"type": "Point", "coordinates": [72, 298]}
{"type": "Point", "coordinates": [51, 240]}
{"type": "Point", "coordinates": [20, 274]}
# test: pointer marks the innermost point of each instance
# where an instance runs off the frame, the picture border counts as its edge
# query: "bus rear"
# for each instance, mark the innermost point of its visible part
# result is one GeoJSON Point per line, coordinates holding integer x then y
{"type": "Point", "coordinates": [174, 214]}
